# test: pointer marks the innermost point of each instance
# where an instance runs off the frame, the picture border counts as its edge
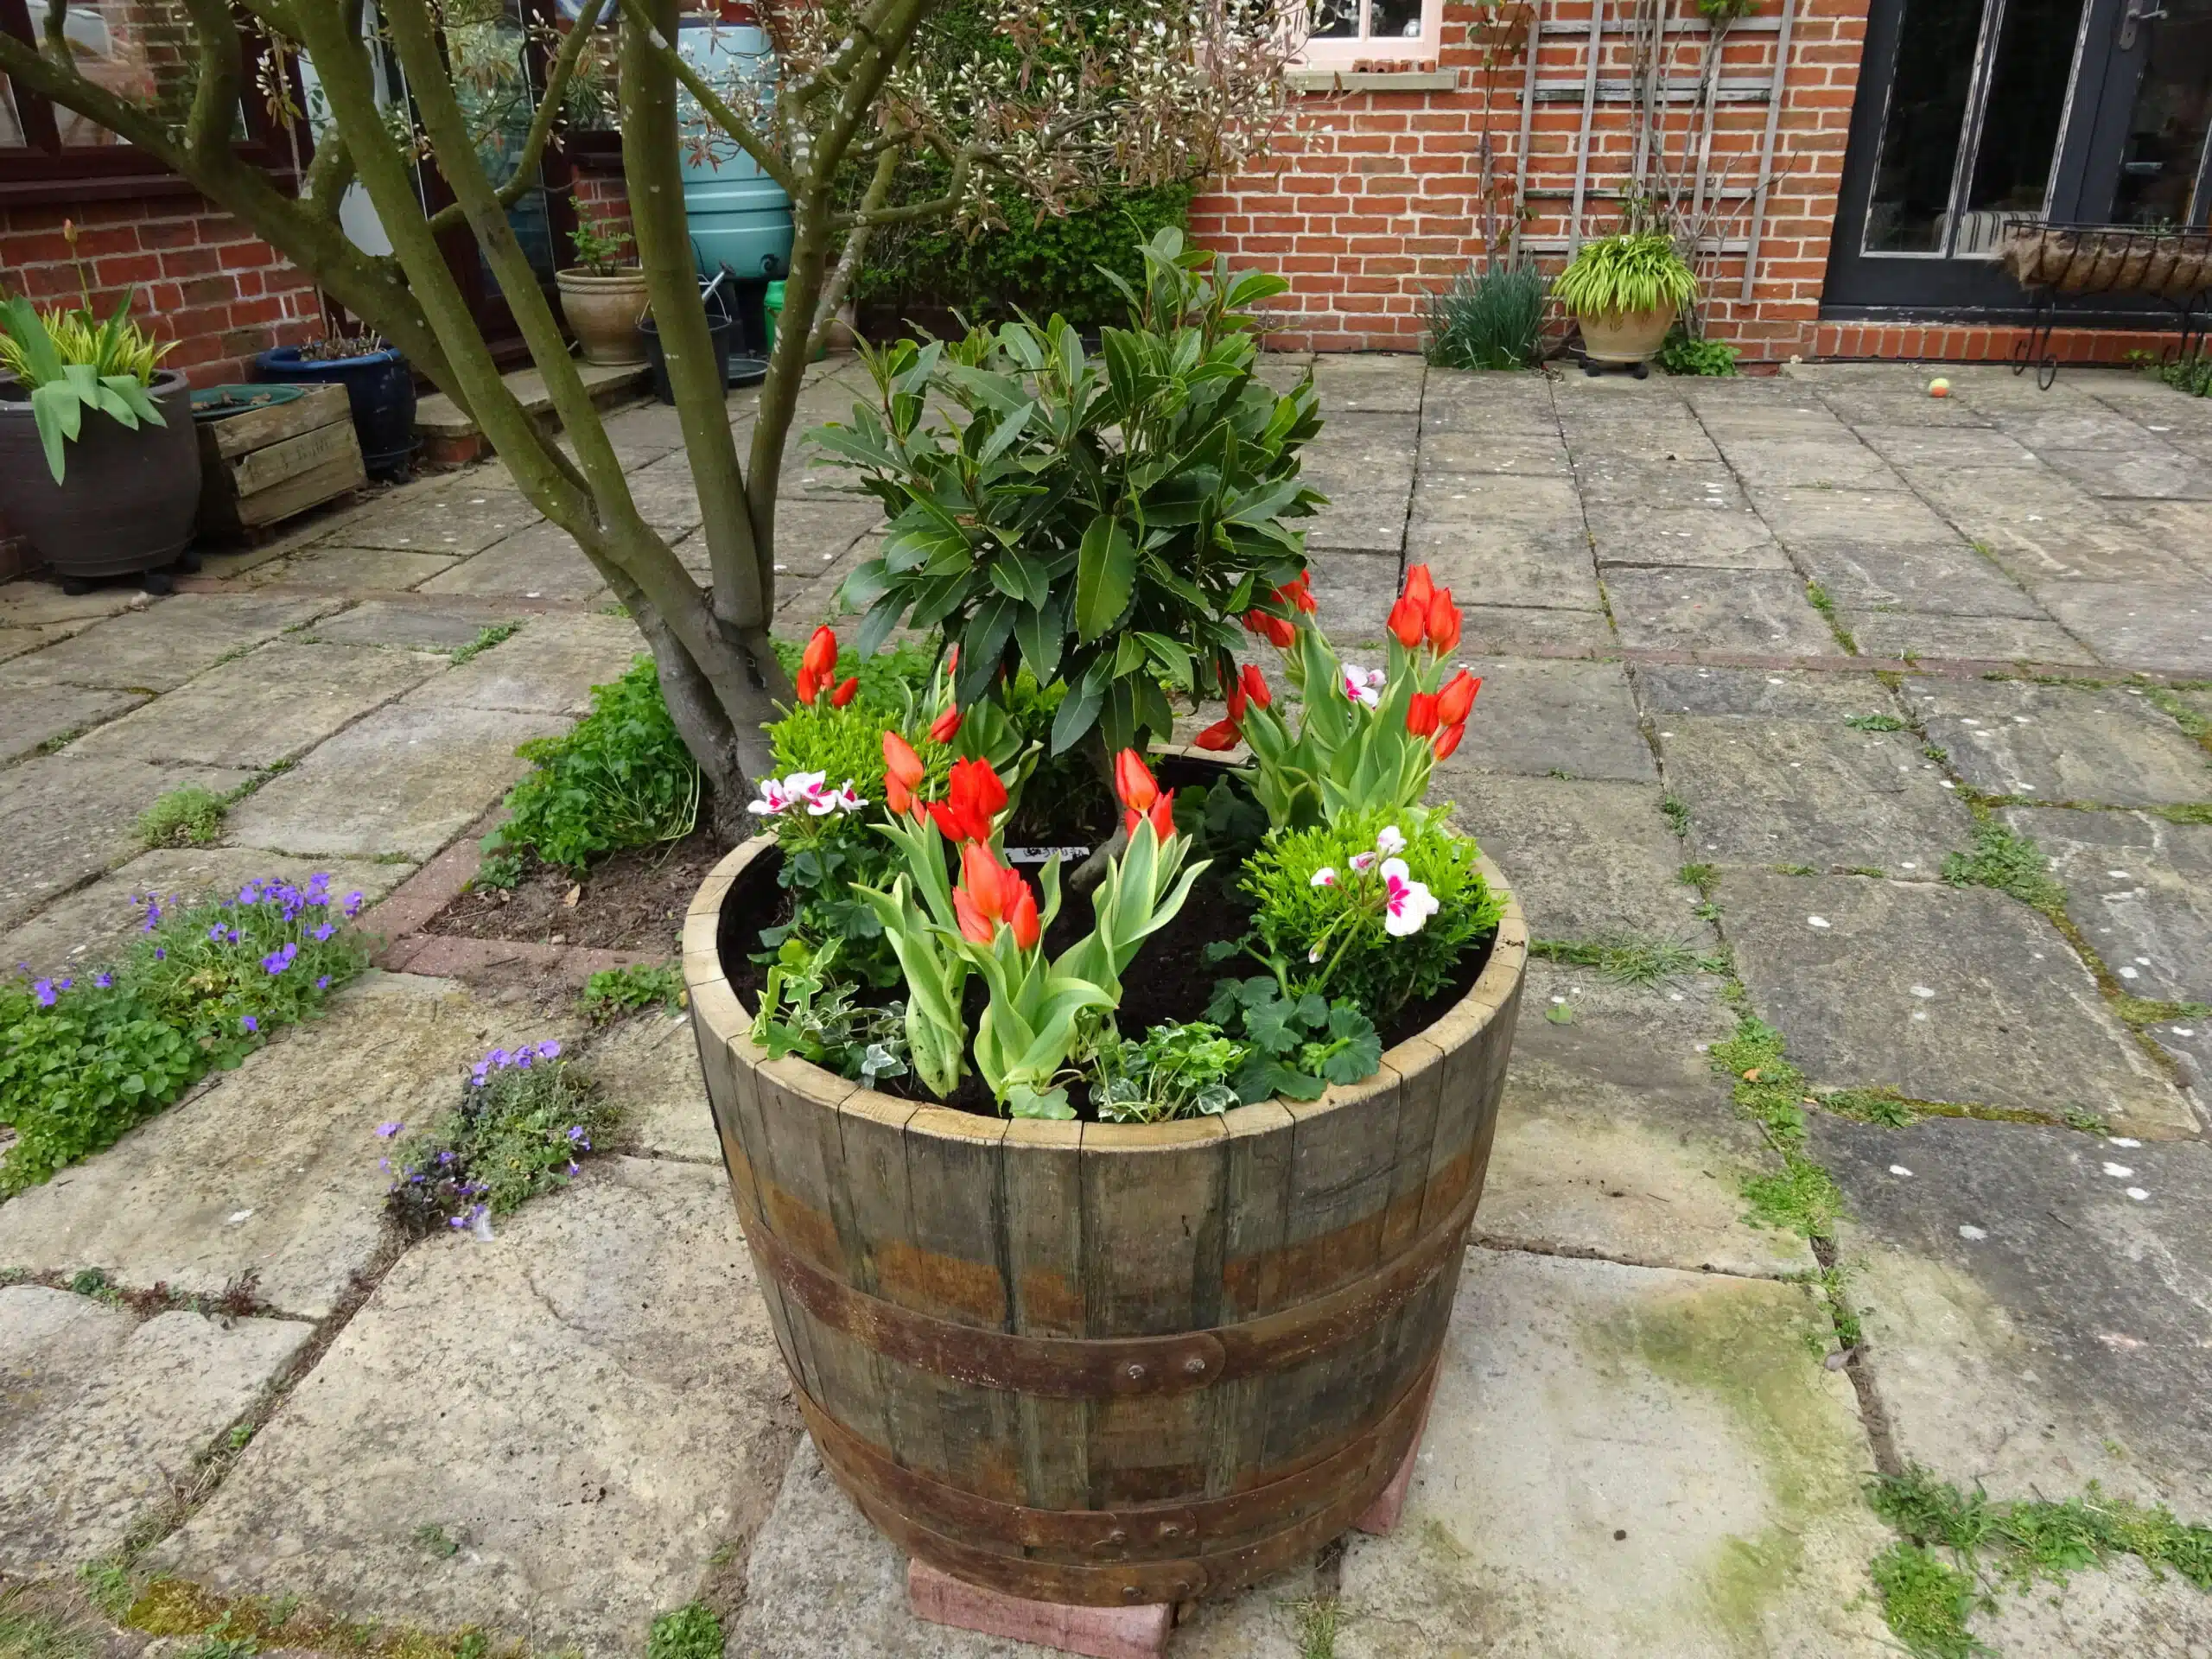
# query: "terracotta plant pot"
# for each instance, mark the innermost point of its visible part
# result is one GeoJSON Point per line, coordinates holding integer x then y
{"type": "Point", "coordinates": [1105, 1364]}
{"type": "Point", "coordinates": [603, 313]}
{"type": "Point", "coordinates": [1635, 337]}
{"type": "Point", "coordinates": [127, 499]}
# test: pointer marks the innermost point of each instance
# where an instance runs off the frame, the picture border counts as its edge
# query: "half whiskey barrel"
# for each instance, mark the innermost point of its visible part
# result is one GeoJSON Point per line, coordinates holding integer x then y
{"type": "Point", "coordinates": [1103, 1363]}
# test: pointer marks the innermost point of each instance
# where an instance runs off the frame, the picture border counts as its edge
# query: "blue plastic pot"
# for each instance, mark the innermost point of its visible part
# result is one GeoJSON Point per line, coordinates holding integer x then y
{"type": "Point", "coordinates": [379, 385]}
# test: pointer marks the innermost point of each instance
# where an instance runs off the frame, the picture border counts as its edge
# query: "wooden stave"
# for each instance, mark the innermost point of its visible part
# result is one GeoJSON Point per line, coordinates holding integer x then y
{"type": "Point", "coordinates": [1439, 1091]}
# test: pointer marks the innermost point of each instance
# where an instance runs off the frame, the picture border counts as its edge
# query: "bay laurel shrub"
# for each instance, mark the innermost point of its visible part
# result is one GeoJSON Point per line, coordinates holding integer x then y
{"type": "Point", "coordinates": [88, 1055]}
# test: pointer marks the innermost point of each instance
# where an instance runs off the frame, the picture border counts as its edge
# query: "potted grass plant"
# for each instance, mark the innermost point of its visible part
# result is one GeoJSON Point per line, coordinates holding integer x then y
{"type": "Point", "coordinates": [603, 295]}
{"type": "Point", "coordinates": [1149, 1166]}
{"type": "Point", "coordinates": [1625, 292]}
{"type": "Point", "coordinates": [99, 470]}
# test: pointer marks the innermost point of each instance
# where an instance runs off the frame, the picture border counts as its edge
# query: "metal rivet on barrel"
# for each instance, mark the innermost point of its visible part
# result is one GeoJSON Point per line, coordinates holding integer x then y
{"type": "Point", "coordinates": [1119, 1536]}
{"type": "Point", "coordinates": [1195, 1365]}
{"type": "Point", "coordinates": [1133, 1371]}
{"type": "Point", "coordinates": [1130, 1592]}
{"type": "Point", "coordinates": [1171, 1530]}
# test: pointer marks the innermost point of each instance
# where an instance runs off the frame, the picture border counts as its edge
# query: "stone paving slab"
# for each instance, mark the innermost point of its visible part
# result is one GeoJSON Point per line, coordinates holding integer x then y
{"type": "Point", "coordinates": [1617, 1139]}
{"type": "Point", "coordinates": [1533, 628]}
{"type": "Point", "coordinates": [1946, 993]}
{"type": "Point", "coordinates": [1632, 534]}
{"type": "Point", "coordinates": [1585, 858]}
{"type": "Point", "coordinates": [1543, 715]}
{"type": "Point", "coordinates": [1938, 449]}
{"type": "Point", "coordinates": [1498, 500]}
{"type": "Point", "coordinates": [2165, 626]}
{"type": "Point", "coordinates": [2041, 525]}
{"type": "Point", "coordinates": [161, 647]}
{"type": "Point", "coordinates": [2141, 890]}
{"type": "Point", "coordinates": [399, 627]}
{"type": "Point", "coordinates": [1761, 611]}
{"type": "Point", "coordinates": [812, 534]}
{"type": "Point", "coordinates": [457, 516]}
{"type": "Point", "coordinates": [100, 1414]}
{"type": "Point", "coordinates": [1626, 1461]}
{"type": "Point", "coordinates": [1756, 694]}
{"type": "Point", "coordinates": [272, 704]}
{"type": "Point", "coordinates": [1367, 382]}
{"type": "Point", "coordinates": [1947, 578]}
{"type": "Point", "coordinates": [1364, 464]}
{"type": "Point", "coordinates": [2061, 742]}
{"type": "Point", "coordinates": [1899, 634]}
{"type": "Point", "coordinates": [590, 1405]}
{"type": "Point", "coordinates": [2035, 1325]}
{"type": "Point", "coordinates": [1536, 453]}
{"type": "Point", "coordinates": [1550, 569]}
{"type": "Point", "coordinates": [271, 1170]}
{"type": "Point", "coordinates": [32, 716]}
{"type": "Point", "coordinates": [1354, 591]}
{"type": "Point", "coordinates": [2083, 426]}
{"type": "Point", "coordinates": [1899, 407]}
{"type": "Point", "coordinates": [822, 1582]}
{"type": "Point", "coordinates": [65, 818]}
{"type": "Point", "coordinates": [548, 668]}
{"type": "Point", "coordinates": [1781, 462]}
{"type": "Point", "coordinates": [1613, 479]}
{"type": "Point", "coordinates": [2115, 1612]}
{"type": "Point", "coordinates": [540, 562]}
{"type": "Point", "coordinates": [649, 1066]}
{"type": "Point", "coordinates": [668, 500]}
{"type": "Point", "coordinates": [1806, 792]}
{"type": "Point", "coordinates": [404, 781]}
{"type": "Point", "coordinates": [29, 603]}
{"type": "Point", "coordinates": [2157, 471]}
{"type": "Point", "coordinates": [350, 569]}
{"type": "Point", "coordinates": [99, 922]}
{"type": "Point", "coordinates": [1810, 514]}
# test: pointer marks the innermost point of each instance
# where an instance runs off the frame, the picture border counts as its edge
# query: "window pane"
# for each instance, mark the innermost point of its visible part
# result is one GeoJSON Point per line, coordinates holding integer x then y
{"type": "Point", "coordinates": [1394, 20]}
{"type": "Point", "coordinates": [2161, 179]}
{"type": "Point", "coordinates": [2019, 129]}
{"type": "Point", "coordinates": [1921, 129]}
{"type": "Point", "coordinates": [12, 128]}
{"type": "Point", "coordinates": [138, 50]}
{"type": "Point", "coordinates": [1333, 20]}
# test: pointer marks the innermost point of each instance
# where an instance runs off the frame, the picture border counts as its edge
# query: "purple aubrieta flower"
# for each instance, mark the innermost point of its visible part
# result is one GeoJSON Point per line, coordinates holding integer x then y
{"type": "Point", "coordinates": [385, 1131]}
{"type": "Point", "coordinates": [549, 1050]}
{"type": "Point", "coordinates": [323, 984]}
{"type": "Point", "coordinates": [44, 991]}
{"type": "Point", "coordinates": [572, 1166]}
{"type": "Point", "coordinates": [106, 981]}
{"type": "Point", "coordinates": [160, 955]}
{"type": "Point", "coordinates": [575, 1131]}
{"type": "Point", "coordinates": [215, 933]}
{"type": "Point", "coordinates": [249, 894]}
{"type": "Point", "coordinates": [250, 1022]}
{"type": "Point", "coordinates": [277, 961]}
{"type": "Point", "coordinates": [324, 931]}
{"type": "Point", "coordinates": [352, 904]}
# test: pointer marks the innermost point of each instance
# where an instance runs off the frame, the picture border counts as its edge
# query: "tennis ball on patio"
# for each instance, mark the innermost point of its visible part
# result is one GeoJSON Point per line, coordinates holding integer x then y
{"type": "Point", "coordinates": [1939, 387]}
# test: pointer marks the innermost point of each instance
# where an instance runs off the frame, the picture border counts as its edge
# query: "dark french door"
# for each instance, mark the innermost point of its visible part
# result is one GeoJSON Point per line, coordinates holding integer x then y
{"type": "Point", "coordinates": [1971, 112]}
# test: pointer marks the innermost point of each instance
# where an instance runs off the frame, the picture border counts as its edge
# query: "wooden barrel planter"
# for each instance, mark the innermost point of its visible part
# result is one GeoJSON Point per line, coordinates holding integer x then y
{"type": "Point", "coordinates": [1105, 1365]}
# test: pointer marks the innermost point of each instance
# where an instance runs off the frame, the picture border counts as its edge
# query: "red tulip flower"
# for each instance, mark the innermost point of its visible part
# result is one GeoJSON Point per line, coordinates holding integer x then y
{"type": "Point", "coordinates": [973, 798]}
{"type": "Point", "coordinates": [1237, 701]}
{"type": "Point", "coordinates": [1421, 715]}
{"type": "Point", "coordinates": [1443, 623]}
{"type": "Point", "coordinates": [1409, 622]}
{"type": "Point", "coordinates": [847, 691]}
{"type": "Point", "coordinates": [1142, 794]}
{"type": "Point", "coordinates": [1448, 740]}
{"type": "Point", "coordinates": [1419, 587]}
{"type": "Point", "coordinates": [989, 894]}
{"type": "Point", "coordinates": [945, 726]}
{"type": "Point", "coordinates": [1222, 734]}
{"type": "Point", "coordinates": [1299, 594]}
{"type": "Point", "coordinates": [903, 772]}
{"type": "Point", "coordinates": [1277, 631]}
{"type": "Point", "coordinates": [1456, 698]}
{"type": "Point", "coordinates": [818, 665]}
{"type": "Point", "coordinates": [1255, 685]}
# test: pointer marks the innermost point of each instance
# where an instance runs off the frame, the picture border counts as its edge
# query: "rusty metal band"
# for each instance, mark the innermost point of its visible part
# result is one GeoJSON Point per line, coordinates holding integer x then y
{"type": "Point", "coordinates": [1085, 1367]}
{"type": "Point", "coordinates": [1129, 1532]}
{"type": "Point", "coordinates": [1130, 1583]}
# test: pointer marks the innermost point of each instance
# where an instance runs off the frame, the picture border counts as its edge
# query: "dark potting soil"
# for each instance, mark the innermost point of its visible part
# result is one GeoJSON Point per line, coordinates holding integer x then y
{"type": "Point", "coordinates": [633, 901]}
{"type": "Point", "coordinates": [1171, 979]}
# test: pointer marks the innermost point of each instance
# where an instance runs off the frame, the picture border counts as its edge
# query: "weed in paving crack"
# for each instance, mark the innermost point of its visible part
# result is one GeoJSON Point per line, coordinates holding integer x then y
{"type": "Point", "coordinates": [1927, 1604]}
{"type": "Point", "coordinates": [1795, 869]}
{"type": "Point", "coordinates": [1701, 876]}
{"type": "Point", "coordinates": [485, 639]}
{"type": "Point", "coordinates": [1677, 813]}
{"type": "Point", "coordinates": [691, 1632]}
{"type": "Point", "coordinates": [107, 1585]}
{"type": "Point", "coordinates": [1803, 1197]}
{"type": "Point", "coordinates": [2147, 1011]}
{"type": "Point", "coordinates": [2186, 812]}
{"type": "Point", "coordinates": [433, 1537]}
{"type": "Point", "coordinates": [1320, 1618]}
{"type": "Point", "coordinates": [1873, 722]}
{"type": "Point", "coordinates": [33, 1632]}
{"type": "Point", "coordinates": [1819, 598]}
{"type": "Point", "coordinates": [191, 816]}
{"type": "Point", "coordinates": [1872, 1106]}
{"type": "Point", "coordinates": [1625, 958]}
{"type": "Point", "coordinates": [2009, 863]}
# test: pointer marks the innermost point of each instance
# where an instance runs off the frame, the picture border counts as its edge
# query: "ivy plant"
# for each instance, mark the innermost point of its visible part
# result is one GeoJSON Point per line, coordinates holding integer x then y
{"type": "Point", "coordinates": [1103, 519]}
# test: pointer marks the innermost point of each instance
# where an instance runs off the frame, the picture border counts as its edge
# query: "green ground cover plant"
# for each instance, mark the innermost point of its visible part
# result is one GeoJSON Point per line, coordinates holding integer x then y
{"type": "Point", "coordinates": [613, 992]}
{"type": "Point", "coordinates": [191, 816]}
{"type": "Point", "coordinates": [620, 778]}
{"type": "Point", "coordinates": [1687, 353]}
{"type": "Point", "coordinates": [87, 1055]}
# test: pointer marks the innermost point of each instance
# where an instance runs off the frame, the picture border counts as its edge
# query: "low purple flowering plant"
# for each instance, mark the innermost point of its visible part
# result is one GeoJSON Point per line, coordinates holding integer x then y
{"type": "Point", "coordinates": [525, 1116]}
{"type": "Point", "coordinates": [85, 1057]}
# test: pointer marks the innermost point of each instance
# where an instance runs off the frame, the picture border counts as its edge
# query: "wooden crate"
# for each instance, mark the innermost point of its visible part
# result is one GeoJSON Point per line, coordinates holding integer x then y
{"type": "Point", "coordinates": [265, 465]}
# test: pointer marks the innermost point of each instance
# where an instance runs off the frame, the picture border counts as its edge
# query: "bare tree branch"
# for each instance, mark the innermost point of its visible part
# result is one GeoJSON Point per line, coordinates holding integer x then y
{"type": "Point", "coordinates": [550, 100]}
{"type": "Point", "coordinates": [740, 132]}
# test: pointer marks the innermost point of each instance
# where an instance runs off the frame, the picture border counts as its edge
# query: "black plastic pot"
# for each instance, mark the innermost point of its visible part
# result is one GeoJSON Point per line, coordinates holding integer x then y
{"type": "Point", "coordinates": [722, 331]}
{"type": "Point", "coordinates": [381, 388]}
{"type": "Point", "coordinates": [127, 499]}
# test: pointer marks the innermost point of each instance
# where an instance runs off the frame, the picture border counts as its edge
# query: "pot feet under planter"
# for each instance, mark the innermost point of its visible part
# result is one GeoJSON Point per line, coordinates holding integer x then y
{"type": "Point", "coordinates": [1100, 1632]}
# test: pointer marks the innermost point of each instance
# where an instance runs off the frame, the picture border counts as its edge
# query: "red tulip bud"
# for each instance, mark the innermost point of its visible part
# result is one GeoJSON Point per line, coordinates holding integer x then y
{"type": "Point", "coordinates": [808, 686]}
{"type": "Point", "coordinates": [1419, 587]}
{"type": "Point", "coordinates": [1421, 715]}
{"type": "Point", "coordinates": [1277, 631]}
{"type": "Point", "coordinates": [1408, 621]}
{"type": "Point", "coordinates": [946, 726]}
{"type": "Point", "coordinates": [1443, 623]}
{"type": "Point", "coordinates": [821, 653]}
{"type": "Point", "coordinates": [1456, 698]}
{"type": "Point", "coordinates": [1448, 740]}
{"type": "Point", "coordinates": [1255, 685]}
{"type": "Point", "coordinates": [1300, 594]}
{"type": "Point", "coordinates": [1222, 734]}
{"type": "Point", "coordinates": [847, 689]}
{"type": "Point", "coordinates": [1133, 782]}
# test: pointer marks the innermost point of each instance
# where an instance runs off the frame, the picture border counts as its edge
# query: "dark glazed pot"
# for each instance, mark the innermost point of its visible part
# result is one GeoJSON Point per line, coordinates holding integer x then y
{"type": "Point", "coordinates": [381, 388]}
{"type": "Point", "coordinates": [127, 499]}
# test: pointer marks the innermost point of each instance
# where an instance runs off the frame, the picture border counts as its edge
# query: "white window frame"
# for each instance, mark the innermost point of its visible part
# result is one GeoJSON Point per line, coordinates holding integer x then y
{"type": "Point", "coordinates": [1343, 53]}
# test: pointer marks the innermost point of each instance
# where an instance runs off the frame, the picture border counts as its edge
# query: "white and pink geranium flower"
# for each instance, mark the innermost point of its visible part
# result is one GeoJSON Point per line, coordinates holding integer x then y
{"type": "Point", "coordinates": [1407, 904]}
{"type": "Point", "coordinates": [1364, 686]}
{"type": "Point", "coordinates": [804, 790]}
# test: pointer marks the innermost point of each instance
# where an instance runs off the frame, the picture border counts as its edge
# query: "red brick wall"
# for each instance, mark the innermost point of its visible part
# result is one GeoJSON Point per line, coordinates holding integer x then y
{"type": "Point", "coordinates": [203, 280]}
{"type": "Point", "coordinates": [1373, 203]}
